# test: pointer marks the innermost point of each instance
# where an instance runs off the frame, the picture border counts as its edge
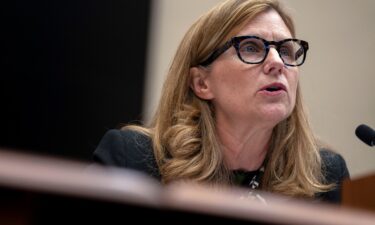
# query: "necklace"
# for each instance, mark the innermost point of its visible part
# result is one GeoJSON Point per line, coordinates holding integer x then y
{"type": "Point", "coordinates": [252, 180]}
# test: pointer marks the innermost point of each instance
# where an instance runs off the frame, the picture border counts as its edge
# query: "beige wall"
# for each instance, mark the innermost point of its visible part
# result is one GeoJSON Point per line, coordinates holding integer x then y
{"type": "Point", "coordinates": [337, 79]}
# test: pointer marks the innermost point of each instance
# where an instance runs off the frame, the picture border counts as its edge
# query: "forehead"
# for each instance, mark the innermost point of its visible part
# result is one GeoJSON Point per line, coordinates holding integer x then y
{"type": "Point", "coordinates": [268, 25]}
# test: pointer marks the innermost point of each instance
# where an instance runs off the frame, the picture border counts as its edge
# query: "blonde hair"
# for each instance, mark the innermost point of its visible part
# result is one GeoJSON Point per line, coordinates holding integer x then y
{"type": "Point", "coordinates": [183, 128]}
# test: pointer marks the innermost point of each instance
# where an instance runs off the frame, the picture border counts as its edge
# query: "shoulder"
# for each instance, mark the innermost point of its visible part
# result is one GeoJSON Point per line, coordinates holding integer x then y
{"type": "Point", "coordinates": [333, 166]}
{"type": "Point", "coordinates": [335, 172]}
{"type": "Point", "coordinates": [127, 149]}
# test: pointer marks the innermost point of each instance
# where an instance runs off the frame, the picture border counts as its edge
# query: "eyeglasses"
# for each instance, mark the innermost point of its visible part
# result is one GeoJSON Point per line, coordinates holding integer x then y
{"type": "Point", "coordinates": [254, 50]}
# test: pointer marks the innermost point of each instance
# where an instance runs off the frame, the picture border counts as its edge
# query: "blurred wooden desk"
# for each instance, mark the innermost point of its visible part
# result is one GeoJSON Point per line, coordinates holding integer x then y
{"type": "Point", "coordinates": [360, 193]}
{"type": "Point", "coordinates": [40, 190]}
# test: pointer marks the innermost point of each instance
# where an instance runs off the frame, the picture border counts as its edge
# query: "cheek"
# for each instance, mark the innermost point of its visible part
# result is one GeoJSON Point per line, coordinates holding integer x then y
{"type": "Point", "coordinates": [293, 84]}
{"type": "Point", "coordinates": [232, 88]}
{"type": "Point", "coordinates": [295, 81]}
{"type": "Point", "coordinates": [234, 76]}
{"type": "Point", "coordinates": [224, 79]}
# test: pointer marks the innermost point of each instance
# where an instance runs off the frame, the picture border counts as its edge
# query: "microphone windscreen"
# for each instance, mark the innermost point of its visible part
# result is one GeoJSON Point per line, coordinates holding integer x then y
{"type": "Point", "coordinates": [366, 134]}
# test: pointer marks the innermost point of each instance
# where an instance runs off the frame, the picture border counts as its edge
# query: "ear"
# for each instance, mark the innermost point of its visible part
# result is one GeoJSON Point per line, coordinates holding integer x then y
{"type": "Point", "coordinates": [199, 83]}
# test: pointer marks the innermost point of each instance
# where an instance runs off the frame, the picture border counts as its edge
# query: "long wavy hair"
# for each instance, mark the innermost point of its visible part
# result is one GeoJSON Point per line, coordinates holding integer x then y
{"type": "Point", "coordinates": [183, 133]}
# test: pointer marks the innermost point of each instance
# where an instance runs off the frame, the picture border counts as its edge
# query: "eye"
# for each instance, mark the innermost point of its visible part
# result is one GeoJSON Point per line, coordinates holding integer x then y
{"type": "Point", "coordinates": [251, 47]}
{"type": "Point", "coordinates": [285, 51]}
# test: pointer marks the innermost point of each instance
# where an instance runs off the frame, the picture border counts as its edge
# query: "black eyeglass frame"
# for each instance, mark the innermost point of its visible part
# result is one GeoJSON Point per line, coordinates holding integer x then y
{"type": "Point", "coordinates": [235, 41]}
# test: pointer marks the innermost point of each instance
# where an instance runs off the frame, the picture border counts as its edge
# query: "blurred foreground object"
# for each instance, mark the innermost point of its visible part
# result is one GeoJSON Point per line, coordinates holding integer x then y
{"type": "Point", "coordinates": [359, 193]}
{"type": "Point", "coordinates": [366, 134]}
{"type": "Point", "coordinates": [40, 190]}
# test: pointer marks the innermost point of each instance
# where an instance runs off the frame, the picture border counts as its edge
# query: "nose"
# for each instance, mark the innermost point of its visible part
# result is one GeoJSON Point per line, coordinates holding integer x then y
{"type": "Point", "coordinates": [273, 64]}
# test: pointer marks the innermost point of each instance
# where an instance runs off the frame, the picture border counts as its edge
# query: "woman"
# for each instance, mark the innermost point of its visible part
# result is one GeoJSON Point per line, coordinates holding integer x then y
{"type": "Point", "coordinates": [231, 110]}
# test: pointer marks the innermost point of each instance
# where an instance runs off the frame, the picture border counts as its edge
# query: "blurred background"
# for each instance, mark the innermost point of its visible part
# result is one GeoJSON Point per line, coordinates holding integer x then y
{"type": "Point", "coordinates": [71, 70]}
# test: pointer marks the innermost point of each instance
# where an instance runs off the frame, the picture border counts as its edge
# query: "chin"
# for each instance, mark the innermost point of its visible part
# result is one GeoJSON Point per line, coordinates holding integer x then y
{"type": "Point", "coordinates": [276, 114]}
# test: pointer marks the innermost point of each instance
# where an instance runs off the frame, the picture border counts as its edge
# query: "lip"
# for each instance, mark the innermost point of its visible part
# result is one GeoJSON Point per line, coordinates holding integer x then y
{"type": "Point", "coordinates": [281, 89]}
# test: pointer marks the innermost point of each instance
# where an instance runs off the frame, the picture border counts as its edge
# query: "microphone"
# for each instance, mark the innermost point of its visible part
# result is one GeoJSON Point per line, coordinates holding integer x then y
{"type": "Point", "coordinates": [366, 134]}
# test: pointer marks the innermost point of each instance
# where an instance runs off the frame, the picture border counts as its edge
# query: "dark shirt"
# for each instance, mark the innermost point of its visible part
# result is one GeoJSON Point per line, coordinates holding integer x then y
{"type": "Point", "coordinates": [133, 150]}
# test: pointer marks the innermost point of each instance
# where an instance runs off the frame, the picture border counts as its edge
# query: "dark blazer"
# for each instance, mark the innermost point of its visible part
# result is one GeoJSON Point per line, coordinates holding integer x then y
{"type": "Point", "coordinates": [132, 150]}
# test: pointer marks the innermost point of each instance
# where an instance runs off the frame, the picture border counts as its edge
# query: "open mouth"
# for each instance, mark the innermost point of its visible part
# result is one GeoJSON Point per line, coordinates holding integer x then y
{"type": "Point", "coordinates": [274, 87]}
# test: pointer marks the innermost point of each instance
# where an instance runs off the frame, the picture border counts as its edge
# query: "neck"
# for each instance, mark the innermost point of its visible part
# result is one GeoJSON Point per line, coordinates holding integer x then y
{"type": "Point", "coordinates": [244, 148]}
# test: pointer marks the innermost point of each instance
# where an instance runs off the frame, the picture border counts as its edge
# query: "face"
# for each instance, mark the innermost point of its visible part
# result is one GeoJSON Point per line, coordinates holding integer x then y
{"type": "Point", "coordinates": [240, 92]}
